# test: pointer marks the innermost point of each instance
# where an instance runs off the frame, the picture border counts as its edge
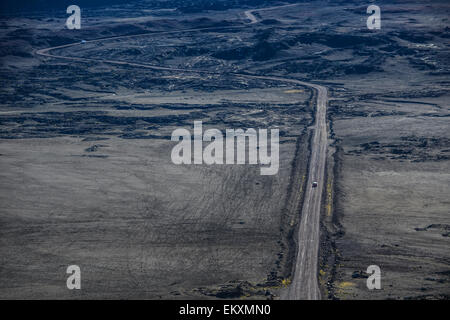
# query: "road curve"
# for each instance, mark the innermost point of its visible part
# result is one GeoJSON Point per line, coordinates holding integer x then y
{"type": "Point", "coordinates": [249, 14]}
{"type": "Point", "coordinates": [304, 284]}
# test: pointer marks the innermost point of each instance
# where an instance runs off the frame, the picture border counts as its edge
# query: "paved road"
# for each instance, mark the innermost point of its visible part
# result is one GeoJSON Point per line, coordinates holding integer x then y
{"type": "Point", "coordinates": [304, 284]}
{"type": "Point", "coordinates": [249, 13]}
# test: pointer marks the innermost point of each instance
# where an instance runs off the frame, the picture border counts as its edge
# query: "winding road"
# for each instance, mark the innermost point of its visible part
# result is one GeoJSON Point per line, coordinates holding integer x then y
{"type": "Point", "coordinates": [304, 283]}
